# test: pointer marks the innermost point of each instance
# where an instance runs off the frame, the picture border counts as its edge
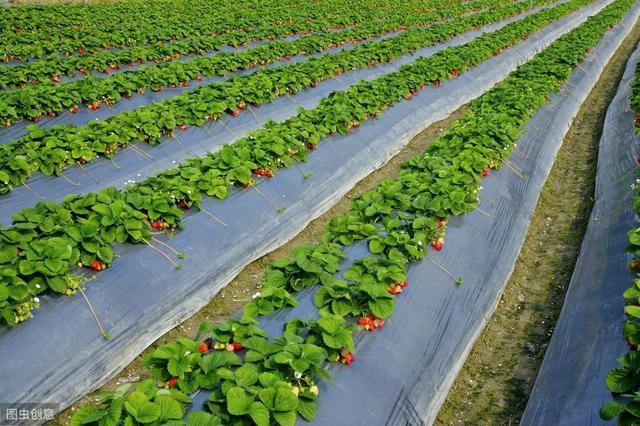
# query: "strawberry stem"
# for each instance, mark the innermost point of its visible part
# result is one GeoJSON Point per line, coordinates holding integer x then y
{"type": "Point", "coordinates": [87, 172]}
{"type": "Point", "coordinates": [141, 152]}
{"type": "Point", "coordinates": [264, 196]}
{"type": "Point", "coordinates": [167, 246]}
{"type": "Point", "coordinates": [185, 147]}
{"type": "Point", "coordinates": [305, 175]}
{"type": "Point", "coordinates": [228, 129]}
{"type": "Point", "coordinates": [214, 217]}
{"type": "Point", "coordinates": [487, 198]}
{"type": "Point", "coordinates": [515, 170]}
{"type": "Point", "coordinates": [483, 212]}
{"type": "Point", "coordinates": [95, 316]}
{"type": "Point", "coordinates": [163, 254]}
{"type": "Point", "coordinates": [443, 269]}
{"type": "Point", "coordinates": [34, 192]}
{"type": "Point", "coordinates": [254, 114]}
{"type": "Point", "coordinates": [69, 180]}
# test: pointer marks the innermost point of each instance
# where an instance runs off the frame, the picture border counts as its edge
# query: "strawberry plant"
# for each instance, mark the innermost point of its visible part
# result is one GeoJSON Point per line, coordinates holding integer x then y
{"type": "Point", "coordinates": [159, 201]}
{"type": "Point", "coordinates": [47, 150]}
{"type": "Point", "coordinates": [177, 72]}
{"type": "Point", "coordinates": [276, 380]}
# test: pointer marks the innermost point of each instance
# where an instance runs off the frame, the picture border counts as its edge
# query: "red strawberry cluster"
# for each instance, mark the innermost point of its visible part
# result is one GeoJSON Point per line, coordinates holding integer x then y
{"type": "Point", "coordinates": [396, 288]}
{"type": "Point", "coordinates": [370, 322]}
{"type": "Point", "coordinates": [159, 224]}
{"type": "Point", "coordinates": [229, 347]}
{"type": "Point", "coordinates": [353, 125]}
{"type": "Point", "coordinates": [263, 172]}
{"type": "Point", "coordinates": [96, 265]}
{"type": "Point", "coordinates": [437, 245]}
{"type": "Point", "coordinates": [346, 357]}
{"type": "Point", "coordinates": [94, 106]}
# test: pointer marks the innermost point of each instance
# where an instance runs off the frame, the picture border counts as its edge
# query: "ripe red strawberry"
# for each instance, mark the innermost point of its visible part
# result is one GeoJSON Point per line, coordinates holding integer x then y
{"type": "Point", "coordinates": [404, 284]}
{"type": "Point", "coordinates": [198, 78]}
{"type": "Point", "coordinates": [485, 172]}
{"type": "Point", "coordinates": [55, 78]}
{"type": "Point", "coordinates": [184, 83]}
{"type": "Point", "coordinates": [203, 348]}
{"type": "Point", "coordinates": [237, 346]}
{"type": "Point", "coordinates": [235, 113]}
{"type": "Point", "coordinates": [94, 105]}
{"type": "Point", "coordinates": [363, 321]}
{"type": "Point", "coordinates": [436, 83]}
{"type": "Point", "coordinates": [73, 109]}
{"type": "Point", "coordinates": [347, 357]}
{"type": "Point", "coordinates": [394, 289]}
{"type": "Point", "coordinates": [51, 114]}
{"type": "Point", "coordinates": [263, 172]}
{"type": "Point", "coordinates": [156, 224]}
{"type": "Point", "coordinates": [172, 381]}
{"type": "Point", "coordinates": [96, 265]}
{"type": "Point", "coordinates": [106, 71]}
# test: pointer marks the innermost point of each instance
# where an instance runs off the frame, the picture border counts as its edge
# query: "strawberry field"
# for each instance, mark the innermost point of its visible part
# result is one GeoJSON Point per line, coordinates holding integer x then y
{"type": "Point", "coordinates": [148, 158]}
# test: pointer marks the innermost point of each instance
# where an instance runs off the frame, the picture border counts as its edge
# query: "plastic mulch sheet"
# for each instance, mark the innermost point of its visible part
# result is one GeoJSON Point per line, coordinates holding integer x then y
{"type": "Point", "coordinates": [570, 388]}
{"type": "Point", "coordinates": [59, 355]}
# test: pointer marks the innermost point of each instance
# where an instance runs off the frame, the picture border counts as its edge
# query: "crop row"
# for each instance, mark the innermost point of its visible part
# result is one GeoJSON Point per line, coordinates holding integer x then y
{"type": "Point", "coordinates": [49, 70]}
{"type": "Point", "coordinates": [262, 381]}
{"type": "Point", "coordinates": [33, 103]}
{"type": "Point", "coordinates": [54, 149]}
{"type": "Point", "coordinates": [624, 381]}
{"type": "Point", "coordinates": [46, 242]}
{"type": "Point", "coordinates": [232, 24]}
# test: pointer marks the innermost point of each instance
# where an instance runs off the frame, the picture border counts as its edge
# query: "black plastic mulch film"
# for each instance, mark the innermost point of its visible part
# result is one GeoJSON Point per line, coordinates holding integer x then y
{"type": "Point", "coordinates": [139, 298]}
{"type": "Point", "coordinates": [587, 340]}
